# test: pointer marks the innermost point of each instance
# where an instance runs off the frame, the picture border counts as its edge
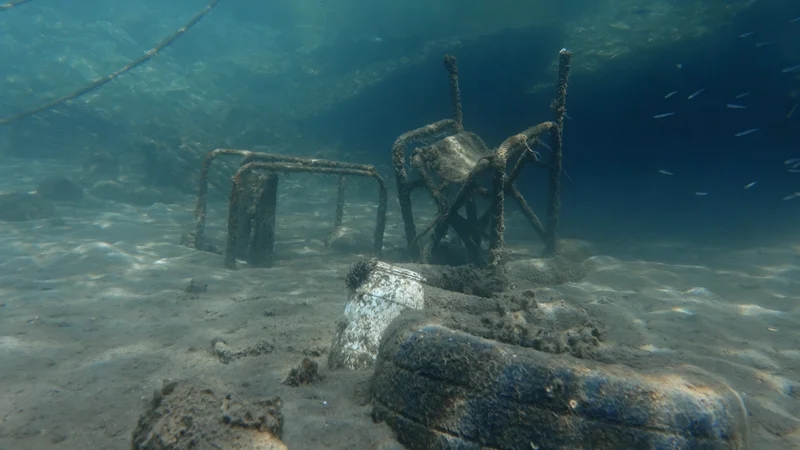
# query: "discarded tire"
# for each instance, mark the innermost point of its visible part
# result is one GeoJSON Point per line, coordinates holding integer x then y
{"type": "Point", "coordinates": [443, 389]}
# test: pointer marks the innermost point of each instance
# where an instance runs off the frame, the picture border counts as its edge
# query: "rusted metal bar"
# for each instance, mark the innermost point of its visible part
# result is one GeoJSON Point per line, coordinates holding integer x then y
{"type": "Point", "coordinates": [527, 211]}
{"type": "Point", "coordinates": [556, 142]}
{"type": "Point", "coordinates": [455, 92]}
{"type": "Point", "coordinates": [337, 221]}
{"type": "Point", "coordinates": [262, 237]}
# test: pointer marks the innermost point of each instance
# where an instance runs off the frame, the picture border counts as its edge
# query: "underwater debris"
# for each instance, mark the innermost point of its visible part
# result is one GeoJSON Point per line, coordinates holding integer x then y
{"type": "Point", "coordinates": [384, 294]}
{"type": "Point", "coordinates": [190, 414]}
{"type": "Point", "coordinates": [196, 286]}
{"type": "Point", "coordinates": [251, 217]}
{"type": "Point", "coordinates": [227, 354]}
{"type": "Point", "coordinates": [461, 158]}
{"type": "Point", "coordinates": [307, 373]}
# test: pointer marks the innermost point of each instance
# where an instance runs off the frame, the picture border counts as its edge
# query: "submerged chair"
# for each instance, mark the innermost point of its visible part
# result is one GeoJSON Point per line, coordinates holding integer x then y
{"type": "Point", "coordinates": [460, 171]}
{"type": "Point", "coordinates": [252, 207]}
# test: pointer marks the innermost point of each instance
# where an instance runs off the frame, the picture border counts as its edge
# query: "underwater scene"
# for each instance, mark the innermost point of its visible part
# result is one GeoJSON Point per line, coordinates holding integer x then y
{"type": "Point", "coordinates": [448, 225]}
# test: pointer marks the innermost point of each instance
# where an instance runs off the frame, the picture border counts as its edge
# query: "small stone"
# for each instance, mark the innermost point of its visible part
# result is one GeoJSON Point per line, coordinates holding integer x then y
{"type": "Point", "coordinates": [60, 189]}
{"type": "Point", "coordinates": [195, 286]}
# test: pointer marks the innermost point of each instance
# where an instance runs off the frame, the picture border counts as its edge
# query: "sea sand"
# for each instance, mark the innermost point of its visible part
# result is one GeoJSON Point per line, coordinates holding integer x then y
{"type": "Point", "coordinates": [94, 316]}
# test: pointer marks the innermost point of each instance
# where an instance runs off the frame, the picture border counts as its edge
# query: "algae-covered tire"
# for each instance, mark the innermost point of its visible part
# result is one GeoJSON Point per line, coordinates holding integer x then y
{"type": "Point", "coordinates": [444, 389]}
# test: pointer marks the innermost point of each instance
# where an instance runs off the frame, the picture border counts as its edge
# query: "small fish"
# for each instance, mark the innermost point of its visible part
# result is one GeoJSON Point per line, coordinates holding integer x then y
{"type": "Point", "coordinates": [670, 94]}
{"type": "Point", "coordinates": [744, 35]}
{"type": "Point", "coordinates": [795, 20]}
{"type": "Point", "coordinates": [661, 116]}
{"type": "Point", "coordinates": [749, 185]}
{"type": "Point", "coordinates": [791, 111]}
{"type": "Point", "coordinates": [665, 172]}
{"type": "Point", "coordinates": [679, 66]}
{"type": "Point", "coordinates": [761, 44]}
{"type": "Point", "coordinates": [701, 194]}
{"type": "Point", "coordinates": [735, 106]}
{"type": "Point", "coordinates": [791, 161]}
{"type": "Point", "coordinates": [795, 166]}
{"type": "Point", "coordinates": [789, 197]}
{"type": "Point", "coordinates": [746, 132]}
{"type": "Point", "coordinates": [742, 95]}
{"type": "Point", "coordinates": [696, 93]}
{"type": "Point", "coordinates": [794, 68]}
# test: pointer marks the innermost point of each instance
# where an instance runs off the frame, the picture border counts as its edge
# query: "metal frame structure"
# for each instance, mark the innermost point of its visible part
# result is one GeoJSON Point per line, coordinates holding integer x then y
{"type": "Point", "coordinates": [251, 212]}
{"type": "Point", "coordinates": [503, 164]}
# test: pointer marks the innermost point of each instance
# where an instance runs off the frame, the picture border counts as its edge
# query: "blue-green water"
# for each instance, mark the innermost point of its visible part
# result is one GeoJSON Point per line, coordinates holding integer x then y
{"type": "Point", "coordinates": [681, 147]}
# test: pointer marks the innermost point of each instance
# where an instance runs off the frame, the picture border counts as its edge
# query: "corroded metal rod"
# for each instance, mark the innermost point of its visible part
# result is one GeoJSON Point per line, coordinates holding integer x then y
{"type": "Point", "coordinates": [455, 92]}
{"type": "Point", "coordinates": [556, 142]}
{"type": "Point", "coordinates": [337, 220]}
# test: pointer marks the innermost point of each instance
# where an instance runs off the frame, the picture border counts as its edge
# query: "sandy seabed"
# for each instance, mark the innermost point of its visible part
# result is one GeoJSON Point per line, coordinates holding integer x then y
{"type": "Point", "coordinates": [95, 316]}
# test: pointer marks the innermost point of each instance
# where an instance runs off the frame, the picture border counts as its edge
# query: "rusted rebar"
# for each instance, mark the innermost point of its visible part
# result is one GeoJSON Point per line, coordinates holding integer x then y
{"type": "Point", "coordinates": [498, 227]}
{"type": "Point", "coordinates": [262, 237]}
{"type": "Point", "coordinates": [337, 221]}
{"type": "Point", "coordinates": [278, 166]}
{"type": "Point", "coordinates": [455, 92]}
{"type": "Point", "coordinates": [556, 163]}
{"type": "Point", "coordinates": [114, 75]}
{"type": "Point", "coordinates": [527, 211]}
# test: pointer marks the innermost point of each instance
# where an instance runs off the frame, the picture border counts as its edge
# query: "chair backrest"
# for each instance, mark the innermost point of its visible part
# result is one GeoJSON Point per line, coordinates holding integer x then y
{"type": "Point", "coordinates": [453, 157]}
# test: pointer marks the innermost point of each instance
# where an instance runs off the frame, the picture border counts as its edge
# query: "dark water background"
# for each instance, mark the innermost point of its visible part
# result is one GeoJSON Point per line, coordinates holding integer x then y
{"type": "Point", "coordinates": [613, 146]}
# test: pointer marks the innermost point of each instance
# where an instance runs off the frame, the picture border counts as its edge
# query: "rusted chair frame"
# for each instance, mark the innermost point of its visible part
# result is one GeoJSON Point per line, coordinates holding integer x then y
{"type": "Point", "coordinates": [502, 184]}
{"type": "Point", "coordinates": [236, 193]}
{"type": "Point", "coordinates": [404, 187]}
{"type": "Point", "coordinates": [467, 229]}
{"type": "Point", "coordinates": [512, 149]}
{"type": "Point", "coordinates": [310, 165]}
